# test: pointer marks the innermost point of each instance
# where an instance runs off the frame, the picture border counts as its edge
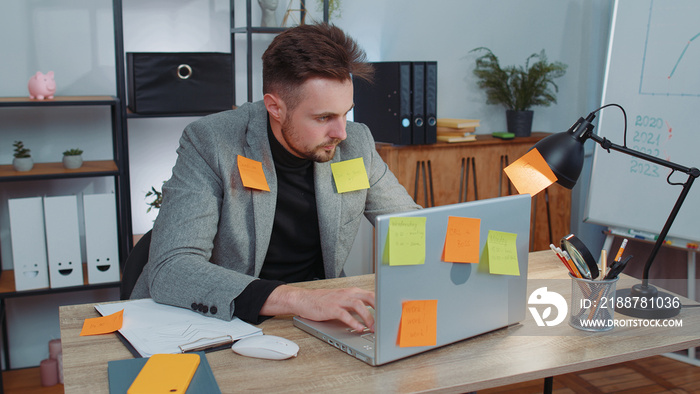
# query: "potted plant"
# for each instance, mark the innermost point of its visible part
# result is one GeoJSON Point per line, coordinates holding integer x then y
{"type": "Point", "coordinates": [518, 88]}
{"type": "Point", "coordinates": [22, 159]}
{"type": "Point", "coordinates": [72, 158]}
{"type": "Point", "coordinates": [157, 201]}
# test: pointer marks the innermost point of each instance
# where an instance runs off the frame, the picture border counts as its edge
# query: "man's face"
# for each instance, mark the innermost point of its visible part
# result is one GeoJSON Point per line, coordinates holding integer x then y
{"type": "Point", "coordinates": [317, 125]}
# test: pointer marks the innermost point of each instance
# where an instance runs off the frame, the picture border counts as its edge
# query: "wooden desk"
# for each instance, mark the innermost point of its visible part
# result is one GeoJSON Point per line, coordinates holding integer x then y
{"type": "Point", "coordinates": [519, 353]}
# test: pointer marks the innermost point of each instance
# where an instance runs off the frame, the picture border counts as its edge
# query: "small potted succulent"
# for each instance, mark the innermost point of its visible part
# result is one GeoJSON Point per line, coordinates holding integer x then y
{"type": "Point", "coordinates": [72, 159]}
{"type": "Point", "coordinates": [23, 159]}
{"type": "Point", "coordinates": [518, 88]}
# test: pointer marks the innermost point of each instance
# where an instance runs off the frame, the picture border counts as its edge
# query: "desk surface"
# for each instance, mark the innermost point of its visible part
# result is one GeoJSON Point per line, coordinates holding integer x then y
{"type": "Point", "coordinates": [515, 354]}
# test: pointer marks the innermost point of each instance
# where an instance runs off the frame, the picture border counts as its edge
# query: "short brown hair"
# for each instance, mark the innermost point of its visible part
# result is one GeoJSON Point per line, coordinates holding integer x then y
{"type": "Point", "coordinates": [307, 51]}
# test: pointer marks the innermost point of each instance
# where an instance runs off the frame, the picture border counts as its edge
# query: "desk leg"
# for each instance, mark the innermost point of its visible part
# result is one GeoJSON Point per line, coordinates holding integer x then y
{"type": "Point", "coordinates": [5, 350]}
{"type": "Point", "coordinates": [691, 291]}
{"type": "Point", "coordinates": [5, 342]}
{"type": "Point", "coordinates": [548, 385]}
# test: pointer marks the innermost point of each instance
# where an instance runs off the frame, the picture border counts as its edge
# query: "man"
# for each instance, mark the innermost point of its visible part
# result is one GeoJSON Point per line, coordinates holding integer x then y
{"type": "Point", "coordinates": [227, 250]}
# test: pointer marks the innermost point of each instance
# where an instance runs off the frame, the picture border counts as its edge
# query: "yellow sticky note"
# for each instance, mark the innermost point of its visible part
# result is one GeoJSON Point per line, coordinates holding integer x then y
{"type": "Point", "coordinates": [418, 323]}
{"type": "Point", "coordinates": [350, 175]}
{"type": "Point", "coordinates": [530, 173]}
{"type": "Point", "coordinates": [103, 325]}
{"type": "Point", "coordinates": [406, 241]}
{"type": "Point", "coordinates": [462, 240]}
{"type": "Point", "coordinates": [252, 174]}
{"type": "Point", "coordinates": [502, 253]}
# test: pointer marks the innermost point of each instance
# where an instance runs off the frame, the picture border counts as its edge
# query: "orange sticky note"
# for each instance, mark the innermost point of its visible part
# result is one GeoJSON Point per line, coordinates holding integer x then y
{"type": "Point", "coordinates": [252, 174]}
{"type": "Point", "coordinates": [103, 325]}
{"type": "Point", "coordinates": [418, 323]}
{"type": "Point", "coordinates": [462, 240]}
{"type": "Point", "coordinates": [530, 173]}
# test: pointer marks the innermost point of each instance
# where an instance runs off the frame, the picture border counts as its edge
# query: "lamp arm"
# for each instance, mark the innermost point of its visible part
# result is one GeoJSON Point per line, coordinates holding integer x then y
{"type": "Point", "coordinates": [692, 174]}
{"type": "Point", "coordinates": [607, 145]}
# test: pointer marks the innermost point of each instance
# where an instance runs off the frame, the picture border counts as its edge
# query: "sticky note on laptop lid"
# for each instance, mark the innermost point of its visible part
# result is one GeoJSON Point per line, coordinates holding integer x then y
{"type": "Point", "coordinates": [462, 240]}
{"type": "Point", "coordinates": [418, 325]}
{"type": "Point", "coordinates": [405, 241]}
{"type": "Point", "coordinates": [501, 253]}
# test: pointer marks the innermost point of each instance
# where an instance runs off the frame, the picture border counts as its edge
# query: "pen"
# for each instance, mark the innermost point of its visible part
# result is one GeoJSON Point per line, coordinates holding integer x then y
{"type": "Point", "coordinates": [617, 268]}
{"type": "Point", "coordinates": [618, 257]}
{"type": "Point", "coordinates": [563, 260]}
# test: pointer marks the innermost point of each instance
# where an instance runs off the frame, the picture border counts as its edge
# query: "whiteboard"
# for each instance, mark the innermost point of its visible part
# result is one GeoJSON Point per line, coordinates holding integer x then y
{"type": "Point", "coordinates": [653, 72]}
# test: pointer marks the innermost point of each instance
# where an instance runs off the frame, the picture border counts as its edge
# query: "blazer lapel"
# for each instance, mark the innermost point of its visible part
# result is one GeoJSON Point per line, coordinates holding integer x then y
{"type": "Point", "coordinates": [258, 148]}
{"type": "Point", "coordinates": [328, 206]}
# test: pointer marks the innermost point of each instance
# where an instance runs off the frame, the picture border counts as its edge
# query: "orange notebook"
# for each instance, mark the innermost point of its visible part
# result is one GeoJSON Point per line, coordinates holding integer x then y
{"type": "Point", "coordinates": [165, 373]}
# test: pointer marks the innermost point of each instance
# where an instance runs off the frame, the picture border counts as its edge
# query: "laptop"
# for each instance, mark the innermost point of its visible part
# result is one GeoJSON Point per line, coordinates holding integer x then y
{"type": "Point", "coordinates": [470, 300]}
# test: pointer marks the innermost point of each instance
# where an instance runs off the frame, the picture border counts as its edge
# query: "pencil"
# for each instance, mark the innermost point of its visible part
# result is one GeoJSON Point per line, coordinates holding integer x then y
{"type": "Point", "coordinates": [618, 257]}
{"type": "Point", "coordinates": [603, 263]}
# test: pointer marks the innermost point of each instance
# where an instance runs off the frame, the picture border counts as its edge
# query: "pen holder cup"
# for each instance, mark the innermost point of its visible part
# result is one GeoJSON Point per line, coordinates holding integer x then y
{"type": "Point", "coordinates": [592, 304]}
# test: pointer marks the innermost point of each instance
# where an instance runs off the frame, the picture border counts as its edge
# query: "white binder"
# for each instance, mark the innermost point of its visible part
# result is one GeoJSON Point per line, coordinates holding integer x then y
{"type": "Point", "coordinates": [28, 243]}
{"type": "Point", "coordinates": [63, 241]}
{"type": "Point", "coordinates": [101, 240]}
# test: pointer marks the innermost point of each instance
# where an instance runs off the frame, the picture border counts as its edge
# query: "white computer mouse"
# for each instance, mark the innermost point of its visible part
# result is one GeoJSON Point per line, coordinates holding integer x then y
{"type": "Point", "coordinates": [269, 347]}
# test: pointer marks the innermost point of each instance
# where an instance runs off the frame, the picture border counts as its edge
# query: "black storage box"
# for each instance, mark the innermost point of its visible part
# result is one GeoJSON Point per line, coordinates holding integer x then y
{"type": "Point", "coordinates": [179, 83]}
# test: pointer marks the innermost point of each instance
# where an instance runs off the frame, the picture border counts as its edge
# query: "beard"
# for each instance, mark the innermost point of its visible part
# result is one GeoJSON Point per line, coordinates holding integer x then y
{"type": "Point", "coordinates": [318, 153]}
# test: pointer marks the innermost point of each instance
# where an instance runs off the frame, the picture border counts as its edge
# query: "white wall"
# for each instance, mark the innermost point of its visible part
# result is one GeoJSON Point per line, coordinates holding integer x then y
{"type": "Point", "coordinates": [74, 38]}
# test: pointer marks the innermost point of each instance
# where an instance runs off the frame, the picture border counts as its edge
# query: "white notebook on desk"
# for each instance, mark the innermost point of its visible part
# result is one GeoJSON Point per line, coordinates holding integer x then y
{"type": "Point", "coordinates": [153, 328]}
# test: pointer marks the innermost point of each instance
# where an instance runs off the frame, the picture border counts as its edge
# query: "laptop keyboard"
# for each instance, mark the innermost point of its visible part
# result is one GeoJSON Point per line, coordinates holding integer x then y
{"type": "Point", "coordinates": [365, 333]}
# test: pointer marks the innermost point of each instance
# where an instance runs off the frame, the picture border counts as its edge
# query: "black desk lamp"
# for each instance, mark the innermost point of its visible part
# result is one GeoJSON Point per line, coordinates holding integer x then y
{"type": "Point", "coordinates": [563, 152]}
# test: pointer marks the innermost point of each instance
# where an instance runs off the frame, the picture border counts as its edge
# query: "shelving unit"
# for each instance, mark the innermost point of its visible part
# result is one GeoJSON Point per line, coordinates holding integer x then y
{"type": "Point", "coordinates": [117, 168]}
{"type": "Point", "coordinates": [249, 30]}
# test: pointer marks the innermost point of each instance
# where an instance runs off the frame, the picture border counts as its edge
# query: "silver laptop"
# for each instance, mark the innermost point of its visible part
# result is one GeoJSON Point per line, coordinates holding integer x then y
{"type": "Point", "coordinates": [470, 300]}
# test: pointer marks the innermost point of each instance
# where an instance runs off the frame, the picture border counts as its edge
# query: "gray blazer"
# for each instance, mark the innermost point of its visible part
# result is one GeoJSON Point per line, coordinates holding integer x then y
{"type": "Point", "coordinates": [211, 235]}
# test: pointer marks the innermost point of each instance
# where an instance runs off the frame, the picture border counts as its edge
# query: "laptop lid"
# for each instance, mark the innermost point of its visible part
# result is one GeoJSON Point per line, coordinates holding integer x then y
{"type": "Point", "coordinates": [469, 300]}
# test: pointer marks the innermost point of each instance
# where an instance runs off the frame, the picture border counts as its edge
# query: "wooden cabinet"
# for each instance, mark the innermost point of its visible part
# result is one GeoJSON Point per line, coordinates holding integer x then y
{"type": "Point", "coordinates": [448, 173]}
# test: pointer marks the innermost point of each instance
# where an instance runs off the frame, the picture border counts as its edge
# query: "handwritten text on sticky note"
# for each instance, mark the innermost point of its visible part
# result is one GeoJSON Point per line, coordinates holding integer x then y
{"type": "Point", "coordinates": [350, 175]}
{"type": "Point", "coordinates": [462, 240]}
{"type": "Point", "coordinates": [530, 173]}
{"type": "Point", "coordinates": [252, 174]}
{"type": "Point", "coordinates": [103, 325]}
{"type": "Point", "coordinates": [502, 253]}
{"type": "Point", "coordinates": [405, 242]}
{"type": "Point", "coordinates": [418, 323]}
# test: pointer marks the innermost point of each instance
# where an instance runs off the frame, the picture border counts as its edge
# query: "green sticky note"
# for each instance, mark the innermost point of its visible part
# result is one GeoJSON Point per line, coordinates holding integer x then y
{"type": "Point", "coordinates": [405, 242]}
{"type": "Point", "coordinates": [350, 175]}
{"type": "Point", "coordinates": [502, 253]}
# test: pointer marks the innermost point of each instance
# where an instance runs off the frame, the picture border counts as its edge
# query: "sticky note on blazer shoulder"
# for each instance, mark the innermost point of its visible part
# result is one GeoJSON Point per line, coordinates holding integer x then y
{"type": "Point", "coordinates": [252, 174]}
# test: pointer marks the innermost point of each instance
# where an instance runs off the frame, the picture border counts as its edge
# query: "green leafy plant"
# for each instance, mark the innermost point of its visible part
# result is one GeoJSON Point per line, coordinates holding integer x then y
{"type": "Point", "coordinates": [157, 201]}
{"type": "Point", "coordinates": [333, 8]}
{"type": "Point", "coordinates": [73, 152]}
{"type": "Point", "coordinates": [20, 151]}
{"type": "Point", "coordinates": [518, 87]}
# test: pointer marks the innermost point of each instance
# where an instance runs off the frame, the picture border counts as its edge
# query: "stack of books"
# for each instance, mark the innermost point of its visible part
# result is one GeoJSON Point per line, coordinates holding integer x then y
{"type": "Point", "coordinates": [456, 130]}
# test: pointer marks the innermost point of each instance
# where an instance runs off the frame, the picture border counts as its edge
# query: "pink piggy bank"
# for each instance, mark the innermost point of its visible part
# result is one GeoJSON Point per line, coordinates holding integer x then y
{"type": "Point", "coordinates": [42, 86]}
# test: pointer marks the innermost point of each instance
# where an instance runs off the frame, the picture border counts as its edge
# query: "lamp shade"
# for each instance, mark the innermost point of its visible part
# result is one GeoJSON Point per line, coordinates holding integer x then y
{"type": "Point", "coordinates": [563, 152]}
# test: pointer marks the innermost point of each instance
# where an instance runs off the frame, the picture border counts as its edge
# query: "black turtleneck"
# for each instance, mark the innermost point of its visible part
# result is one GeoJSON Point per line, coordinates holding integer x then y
{"type": "Point", "coordinates": [294, 253]}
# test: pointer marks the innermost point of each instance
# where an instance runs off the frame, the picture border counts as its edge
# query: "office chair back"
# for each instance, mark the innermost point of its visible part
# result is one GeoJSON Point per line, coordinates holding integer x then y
{"type": "Point", "coordinates": [134, 265]}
